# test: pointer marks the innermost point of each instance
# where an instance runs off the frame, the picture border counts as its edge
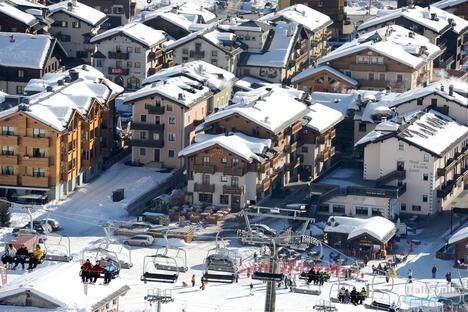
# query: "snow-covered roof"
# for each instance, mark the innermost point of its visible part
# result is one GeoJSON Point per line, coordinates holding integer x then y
{"type": "Point", "coordinates": [26, 3]}
{"type": "Point", "coordinates": [272, 107]}
{"type": "Point", "coordinates": [24, 50]}
{"type": "Point", "coordinates": [247, 147]}
{"type": "Point", "coordinates": [301, 14]}
{"type": "Point", "coordinates": [139, 32]}
{"type": "Point", "coordinates": [189, 11]}
{"type": "Point", "coordinates": [248, 83]}
{"type": "Point", "coordinates": [378, 227]}
{"type": "Point", "coordinates": [212, 76]}
{"type": "Point", "coordinates": [308, 72]}
{"type": "Point", "coordinates": [61, 285]}
{"type": "Point", "coordinates": [79, 10]}
{"type": "Point", "coordinates": [280, 48]}
{"type": "Point", "coordinates": [342, 102]}
{"type": "Point", "coordinates": [180, 89]}
{"type": "Point", "coordinates": [459, 235]}
{"type": "Point", "coordinates": [431, 131]}
{"type": "Point", "coordinates": [322, 118]}
{"type": "Point", "coordinates": [445, 4]}
{"type": "Point", "coordinates": [17, 14]}
{"type": "Point", "coordinates": [55, 107]}
{"type": "Point", "coordinates": [394, 42]}
{"type": "Point", "coordinates": [421, 16]}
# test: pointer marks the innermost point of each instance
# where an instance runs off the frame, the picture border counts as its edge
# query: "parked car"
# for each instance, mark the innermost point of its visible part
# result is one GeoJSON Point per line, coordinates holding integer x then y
{"type": "Point", "coordinates": [39, 227]}
{"type": "Point", "coordinates": [140, 240]}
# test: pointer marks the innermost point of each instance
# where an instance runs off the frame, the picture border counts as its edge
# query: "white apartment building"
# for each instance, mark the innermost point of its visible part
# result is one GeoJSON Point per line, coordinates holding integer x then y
{"type": "Point", "coordinates": [128, 54]}
{"type": "Point", "coordinates": [74, 25]}
{"type": "Point", "coordinates": [426, 151]}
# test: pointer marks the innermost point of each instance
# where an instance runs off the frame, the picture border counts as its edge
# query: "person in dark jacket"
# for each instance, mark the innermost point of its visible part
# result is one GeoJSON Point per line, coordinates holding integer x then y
{"type": "Point", "coordinates": [448, 277]}
{"type": "Point", "coordinates": [96, 271]}
{"type": "Point", "coordinates": [86, 271]}
{"type": "Point", "coordinates": [21, 255]}
{"type": "Point", "coordinates": [354, 296]}
{"type": "Point", "coordinates": [434, 271]}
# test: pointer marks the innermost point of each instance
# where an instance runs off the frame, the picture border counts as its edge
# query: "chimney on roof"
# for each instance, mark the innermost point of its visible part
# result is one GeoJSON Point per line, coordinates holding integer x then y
{"type": "Point", "coordinates": [410, 4]}
{"type": "Point", "coordinates": [49, 89]}
{"type": "Point", "coordinates": [60, 82]}
{"type": "Point", "coordinates": [442, 88]}
{"type": "Point", "coordinates": [12, 38]}
{"type": "Point", "coordinates": [70, 6]}
{"type": "Point", "coordinates": [74, 75]}
{"type": "Point", "coordinates": [451, 90]}
{"type": "Point", "coordinates": [74, 3]}
{"type": "Point", "coordinates": [411, 34]}
{"type": "Point", "coordinates": [181, 97]}
{"type": "Point", "coordinates": [434, 17]}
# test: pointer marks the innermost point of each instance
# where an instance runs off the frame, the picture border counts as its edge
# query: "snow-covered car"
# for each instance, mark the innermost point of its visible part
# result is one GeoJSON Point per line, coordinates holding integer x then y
{"type": "Point", "coordinates": [140, 240]}
{"type": "Point", "coordinates": [39, 227]}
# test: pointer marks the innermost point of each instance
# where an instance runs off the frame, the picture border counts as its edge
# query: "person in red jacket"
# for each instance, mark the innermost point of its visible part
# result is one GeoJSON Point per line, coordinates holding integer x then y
{"type": "Point", "coordinates": [96, 270]}
{"type": "Point", "coordinates": [86, 271]}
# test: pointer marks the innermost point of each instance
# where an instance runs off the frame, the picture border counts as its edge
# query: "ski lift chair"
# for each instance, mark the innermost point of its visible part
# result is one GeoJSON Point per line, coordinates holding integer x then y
{"type": "Point", "coordinates": [102, 255]}
{"type": "Point", "coordinates": [381, 302]}
{"type": "Point", "coordinates": [181, 259]}
{"type": "Point", "coordinates": [160, 263]}
{"type": "Point", "coordinates": [57, 251]}
{"type": "Point", "coordinates": [115, 247]}
{"type": "Point", "coordinates": [221, 263]}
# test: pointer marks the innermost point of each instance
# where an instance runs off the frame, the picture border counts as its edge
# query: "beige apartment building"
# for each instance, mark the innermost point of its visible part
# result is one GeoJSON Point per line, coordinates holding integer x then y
{"type": "Point", "coordinates": [53, 139]}
{"type": "Point", "coordinates": [74, 25]}
{"type": "Point", "coordinates": [128, 54]}
{"type": "Point", "coordinates": [391, 57]}
{"type": "Point", "coordinates": [169, 107]}
{"type": "Point", "coordinates": [427, 151]}
{"type": "Point", "coordinates": [255, 146]}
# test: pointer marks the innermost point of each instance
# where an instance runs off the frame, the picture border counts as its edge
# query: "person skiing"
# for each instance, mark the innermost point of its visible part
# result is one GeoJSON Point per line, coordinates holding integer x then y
{"type": "Point", "coordinates": [21, 256]}
{"type": "Point", "coordinates": [434, 271]}
{"type": "Point", "coordinates": [36, 256]}
{"type": "Point", "coordinates": [251, 289]}
{"type": "Point", "coordinates": [410, 276]}
{"type": "Point", "coordinates": [86, 271]}
{"type": "Point", "coordinates": [193, 280]}
{"type": "Point", "coordinates": [96, 271]}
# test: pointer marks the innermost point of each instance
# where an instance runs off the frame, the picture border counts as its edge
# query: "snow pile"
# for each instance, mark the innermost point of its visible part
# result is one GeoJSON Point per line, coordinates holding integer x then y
{"type": "Point", "coordinates": [247, 147]}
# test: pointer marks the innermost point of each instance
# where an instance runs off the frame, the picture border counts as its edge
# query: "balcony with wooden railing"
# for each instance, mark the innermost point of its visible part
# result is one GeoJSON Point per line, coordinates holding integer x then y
{"type": "Point", "coordinates": [147, 143]}
{"type": "Point", "coordinates": [201, 168]}
{"type": "Point", "coordinates": [155, 110]}
{"type": "Point", "coordinates": [8, 180]}
{"type": "Point", "coordinates": [146, 126]}
{"type": "Point", "coordinates": [204, 188]}
{"type": "Point", "coordinates": [118, 55]}
{"type": "Point", "coordinates": [8, 140]}
{"type": "Point", "coordinates": [372, 68]}
{"type": "Point", "coordinates": [233, 189]}
{"type": "Point", "coordinates": [9, 159]}
{"type": "Point", "coordinates": [36, 162]}
{"type": "Point", "coordinates": [35, 142]}
{"type": "Point", "coordinates": [35, 181]}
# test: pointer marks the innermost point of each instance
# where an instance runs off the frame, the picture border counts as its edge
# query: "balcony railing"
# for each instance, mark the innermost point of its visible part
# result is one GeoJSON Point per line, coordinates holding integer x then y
{"type": "Point", "coordinates": [155, 110]}
{"type": "Point", "coordinates": [118, 55]}
{"type": "Point", "coordinates": [446, 190]}
{"type": "Point", "coordinates": [148, 143]}
{"type": "Point", "coordinates": [8, 180]}
{"type": "Point", "coordinates": [204, 188]}
{"type": "Point", "coordinates": [34, 141]}
{"type": "Point", "coordinates": [394, 175]}
{"type": "Point", "coordinates": [238, 172]}
{"type": "Point", "coordinates": [231, 189]}
{"type": "Point", "coordinates": [8, 140]}
{"type": "Point", "coordinates": [30, 161]}
{"type": "Point", "coordinates": [146, 126]}
{"type": "Point", "coordinates": [9, 159]}
{"type": "Point", "coordinates": [35, 181]}
{"type": "Point", "coordinates": [197, 54]}
{"type": "Point", "coordinates": [204, 168]}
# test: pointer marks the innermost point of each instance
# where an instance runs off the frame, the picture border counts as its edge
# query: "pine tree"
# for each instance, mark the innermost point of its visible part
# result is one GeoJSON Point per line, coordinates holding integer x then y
{"type": "Point", "coordinates": [4, 216]}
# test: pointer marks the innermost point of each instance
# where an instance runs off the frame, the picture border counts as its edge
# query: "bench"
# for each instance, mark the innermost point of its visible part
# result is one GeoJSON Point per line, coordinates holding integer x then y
{"type": "Point", "coordinates": [325, 306]}
{"type": "Point", "coordinates": [306, 291]}
{"type": "Point", "coordinates": [378, 306]}
{"type": "Point", "coordinates": [158, 277]}
{"type": "Point", "coordinates": [219, 278]}
{"type": "Point", "coordinates": [265, 276]}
